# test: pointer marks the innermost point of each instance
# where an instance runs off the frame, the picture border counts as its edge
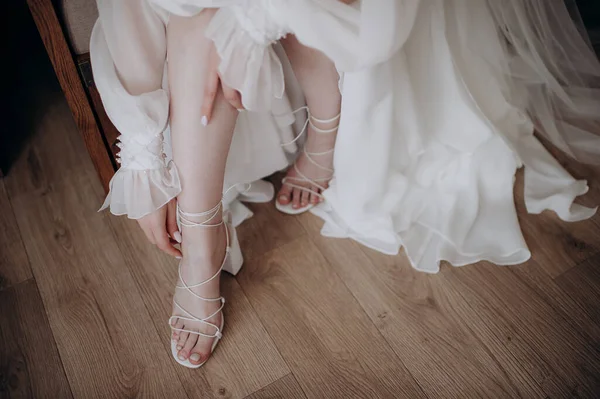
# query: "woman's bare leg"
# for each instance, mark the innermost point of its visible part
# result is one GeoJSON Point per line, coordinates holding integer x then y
{"type": "Point", "coordinates": [200, 154]}
{"type": "Point", "coordinates": [318, 79]}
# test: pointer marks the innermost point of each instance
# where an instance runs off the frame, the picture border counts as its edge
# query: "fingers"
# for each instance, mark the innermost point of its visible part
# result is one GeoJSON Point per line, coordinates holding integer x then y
{"type": "Point", "coordinates": [232, 96]}
{"type": "Point", "coordinates": [162, 241]}
{"type": "Point", "coordinates": [210, 94]}
{"type": "Point", "coordinates": [172, 227]}
{"type": "Point", "coordinates": [155, 227]}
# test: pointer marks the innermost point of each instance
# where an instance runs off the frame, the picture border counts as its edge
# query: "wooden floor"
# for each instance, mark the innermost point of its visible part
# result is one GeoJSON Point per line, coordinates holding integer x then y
{"type": "Point", "coordinates": [84, 303]}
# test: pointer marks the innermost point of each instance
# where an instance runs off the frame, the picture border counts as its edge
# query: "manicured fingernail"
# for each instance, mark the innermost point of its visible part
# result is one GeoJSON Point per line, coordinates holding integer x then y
{"type": "Point", "coordinates": [204, 120]}
{"type": "Point", "coordinates": [177, 236]}
{"type": "Point", "coordinates": [195, 357]}
{"type": "Point", "coordinates": [178, 257]}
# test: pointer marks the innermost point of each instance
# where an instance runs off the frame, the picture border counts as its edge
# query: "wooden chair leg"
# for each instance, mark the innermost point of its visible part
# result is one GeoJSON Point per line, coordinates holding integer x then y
{"type": "Point", "coordinates": [58, 50]}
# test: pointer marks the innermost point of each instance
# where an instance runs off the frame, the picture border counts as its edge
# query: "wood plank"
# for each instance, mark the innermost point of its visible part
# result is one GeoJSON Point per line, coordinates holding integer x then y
{"type": "Point", "coordinates": [109, 130]}
{"type": "Point", "coordinates": [266, 230]}
{"type": "Point", "coordinates": [93, 305]}
{"type": "Point", "coordinates": [111, 134]}
{"type": "Point", "coordinates": [55, 150]}
{"type": "Point", "coordinates": [284, 388]}
{"type": "Point", "coordinates": [102, 328]}
{"type": "Point", "coordinates": [571, 307]}
{"type": "Point", "coordinates": [582, 284]}
{"type": "Point", "coordinates": [14, 376]}
{"type": "Point", "coordinates": [246, 359]}
{"type": "Point", "coordinates": [327, 340]}
{"type": "Point", "coordinates": [426, 322]}
{"type": "Point", "coordinates": [58, 50]}
{"type": "Point", "coordinates": [30, 366]}
{"type": "Point", "coordinates": [555, 244]}
{"type": "Point", "coordinates": [564, 362]}
{"type": "Point", "coordinates": [14, 265]}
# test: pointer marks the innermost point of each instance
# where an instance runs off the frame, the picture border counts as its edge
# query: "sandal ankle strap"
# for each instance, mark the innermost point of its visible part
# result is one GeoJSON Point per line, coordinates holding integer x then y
{"type": "Point", "coordinates": [309, 121]}
{"type": "Point", "coordinates": [186, 218]}
{"type": "Point", "coordinates": [302, 178]}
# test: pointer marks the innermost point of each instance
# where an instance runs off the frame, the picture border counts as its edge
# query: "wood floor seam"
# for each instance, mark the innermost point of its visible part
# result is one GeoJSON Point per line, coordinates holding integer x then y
{"type": "Point", "coordinates": [12, 215]}
{"type": "Point", "coordinates": [268, 335]}
{"type": "Point", "coordinates": [137, 284]}
{"type": "Point", "coordinates": [583, 262]}
{"type": "Point", "coordinates": [380, 334]}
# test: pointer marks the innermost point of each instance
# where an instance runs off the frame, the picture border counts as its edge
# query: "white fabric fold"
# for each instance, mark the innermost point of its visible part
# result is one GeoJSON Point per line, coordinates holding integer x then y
{"type": "Point", "coordinates": [137, 193]}
{"type": "Point", "coordinates": [243, 37]}
{"type": "Point", "coordinates": [548, 186]}
{"type": "Point", "coordinates": [430, 141]}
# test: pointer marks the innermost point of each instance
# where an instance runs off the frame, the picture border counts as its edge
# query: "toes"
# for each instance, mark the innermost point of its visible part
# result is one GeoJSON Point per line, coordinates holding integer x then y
{"type": "Point", "coordinates": [201, 351]}
{"type": "Point", "coordinates": [173, 323]}
{"type": "Point", "coordinates": [176, 323]}
{"type": "Point", "coordinates": [285, 195]}
{"type": "Point", "coordinates": [314, 199]}
{"type": "Point", "coordinates": [183, 336]}
{"type": "Point", "coordinates": [196, 358]}
{"type": "Point", "coordinates": [319, 197]}
{"type": "Point", "coordinates": [184, 353]}
{"type": "Point", "coordinates": [296, 198]}
{"type": "Point", "coordinates": [305, 197]}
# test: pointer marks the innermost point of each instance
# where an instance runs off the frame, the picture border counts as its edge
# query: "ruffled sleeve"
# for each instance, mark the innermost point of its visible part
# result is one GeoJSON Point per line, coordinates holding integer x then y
{"type": "Point", "coordinates": [243, 36]}
{"type": "Point", "coordinates": [128, 52]}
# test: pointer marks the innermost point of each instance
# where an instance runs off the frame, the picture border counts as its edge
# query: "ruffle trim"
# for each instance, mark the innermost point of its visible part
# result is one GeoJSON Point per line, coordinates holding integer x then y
{"type": "Point", "coordinates": [137, 193]}
{"type": "Point", "coordinates": [248, 65]}
{"type": "Point", "coordinates": [465, 221]}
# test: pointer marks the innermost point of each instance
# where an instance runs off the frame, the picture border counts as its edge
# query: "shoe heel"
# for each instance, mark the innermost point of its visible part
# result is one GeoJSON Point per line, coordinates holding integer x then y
{"type": "Point", "coordinates": [235, 260]}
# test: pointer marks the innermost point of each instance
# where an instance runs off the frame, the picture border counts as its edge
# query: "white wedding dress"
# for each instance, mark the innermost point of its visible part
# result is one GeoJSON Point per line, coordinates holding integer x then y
{"type": "Point", "coordinates": [440, 100]}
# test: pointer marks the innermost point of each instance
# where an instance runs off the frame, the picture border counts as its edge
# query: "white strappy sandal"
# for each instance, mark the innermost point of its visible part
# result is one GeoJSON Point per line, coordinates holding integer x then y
{"type": "Point", "coordinates": [302, 178]}
{"type": "Point", "coordinates": [232, 263]}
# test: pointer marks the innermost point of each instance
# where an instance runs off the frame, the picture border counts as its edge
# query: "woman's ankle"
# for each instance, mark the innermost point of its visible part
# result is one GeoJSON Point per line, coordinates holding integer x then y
{"type": "Point", "coordinates": [204, 245]}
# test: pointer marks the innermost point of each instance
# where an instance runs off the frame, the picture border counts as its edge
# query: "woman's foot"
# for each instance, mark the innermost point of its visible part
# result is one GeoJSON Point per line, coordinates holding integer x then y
{"type": "Point", "coordinates": [312, 171]}
{"type": "Point", "coordinates": [204, 251]}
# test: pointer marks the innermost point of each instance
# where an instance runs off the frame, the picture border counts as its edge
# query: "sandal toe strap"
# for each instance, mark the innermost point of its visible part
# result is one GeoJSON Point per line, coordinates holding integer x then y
{"type": "Point", "coordinates": [192, 318]}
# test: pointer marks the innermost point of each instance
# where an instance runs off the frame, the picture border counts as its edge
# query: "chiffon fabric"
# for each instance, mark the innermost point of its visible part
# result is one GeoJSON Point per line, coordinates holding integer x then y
{"type": "Point", "coordinates": [440, 101]}
{"type": "Point", "coordinates": [427, 152]}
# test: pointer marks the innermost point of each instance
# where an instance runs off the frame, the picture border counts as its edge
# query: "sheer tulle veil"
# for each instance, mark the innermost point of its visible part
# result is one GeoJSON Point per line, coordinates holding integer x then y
{"type": "Point", "coordinates": [538, 48]}
{"type": "Point", "coordinates": [543, 56]}
{"type": "Point", "coordinates": [553, 69]}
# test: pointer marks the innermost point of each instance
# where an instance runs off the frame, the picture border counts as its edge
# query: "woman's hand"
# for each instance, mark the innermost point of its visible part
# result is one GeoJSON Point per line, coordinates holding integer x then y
{"type": "Point", "coordinates": [213, 80]}
{"type": "Point", "coordinates": [161, 229]}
